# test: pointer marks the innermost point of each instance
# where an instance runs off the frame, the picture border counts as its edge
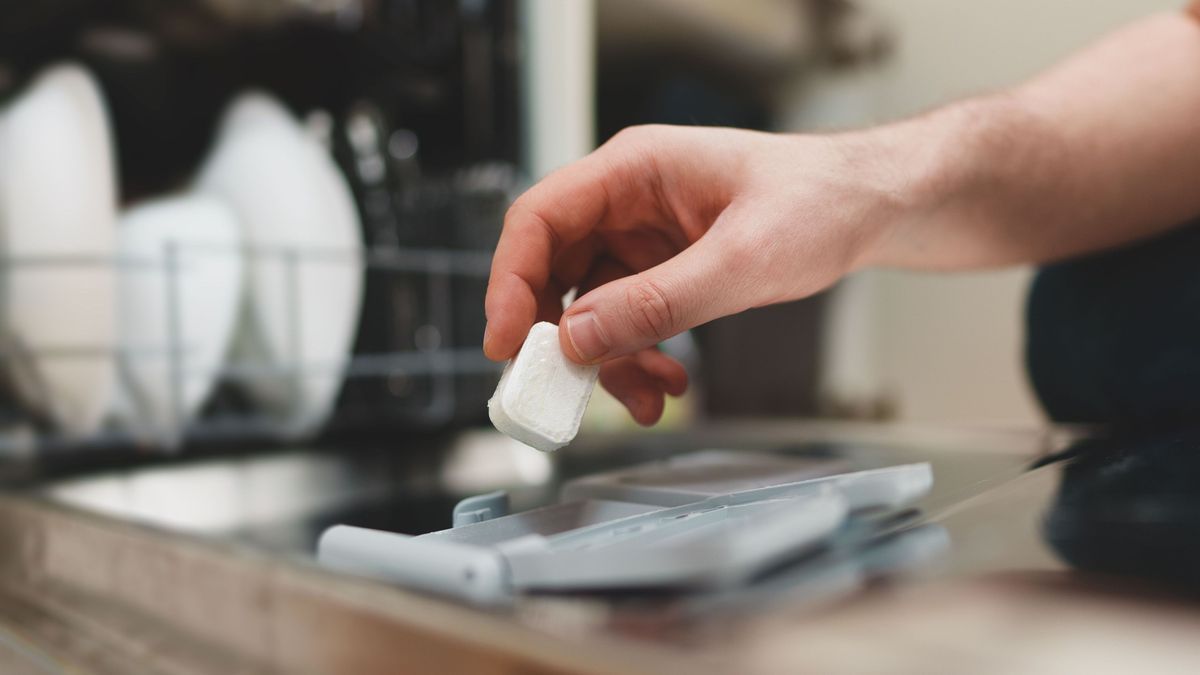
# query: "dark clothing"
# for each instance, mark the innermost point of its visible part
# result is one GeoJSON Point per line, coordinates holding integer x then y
{"type": "Point", "coordinates": [1115, 337]}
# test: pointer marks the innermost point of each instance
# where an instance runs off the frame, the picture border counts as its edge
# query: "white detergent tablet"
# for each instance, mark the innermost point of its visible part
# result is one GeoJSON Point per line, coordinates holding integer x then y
{"type": "Point", "coordinates": [542, 395]}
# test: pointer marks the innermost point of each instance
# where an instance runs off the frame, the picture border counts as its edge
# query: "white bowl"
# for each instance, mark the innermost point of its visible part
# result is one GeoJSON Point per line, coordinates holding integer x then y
{"type": "Point", "coordinates": [58, 202]}
{"type": "Point", "coordinates": [305, 271]}
{"type": "Point", "coordinates": [180, 297]}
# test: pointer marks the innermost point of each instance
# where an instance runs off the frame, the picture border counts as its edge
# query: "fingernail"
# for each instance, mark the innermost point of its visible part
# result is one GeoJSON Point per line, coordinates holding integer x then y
{"type": "Point", "coordinates": [487, 335]}
{"type": "Point", "coordinates": [587, 336]}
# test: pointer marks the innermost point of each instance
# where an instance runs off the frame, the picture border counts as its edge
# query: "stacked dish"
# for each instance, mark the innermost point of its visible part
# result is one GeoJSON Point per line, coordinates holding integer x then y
{"type": "Point", "coordinates": [58, 237]}
{"type": "Point", "coordinates": [305, 263]}
{"type": "Point", "coordinates": [256, 270]}
{"type": "Point", "coordinates": [180, 292]}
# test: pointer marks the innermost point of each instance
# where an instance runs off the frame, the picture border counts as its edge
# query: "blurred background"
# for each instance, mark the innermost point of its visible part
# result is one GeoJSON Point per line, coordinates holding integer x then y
{"type": "Point", "coordinates": [936, 347]}
{"type": "Point", "coordinates": [887, 344]}
{"type": "Point", "coordinates": [243, 254]}
{"type": "Point", "coordinates": [363, 153]}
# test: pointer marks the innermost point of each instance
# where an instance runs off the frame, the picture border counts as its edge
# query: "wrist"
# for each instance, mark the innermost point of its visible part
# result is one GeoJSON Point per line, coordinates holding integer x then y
{"type": "Point", "coordinates": [944, 168]}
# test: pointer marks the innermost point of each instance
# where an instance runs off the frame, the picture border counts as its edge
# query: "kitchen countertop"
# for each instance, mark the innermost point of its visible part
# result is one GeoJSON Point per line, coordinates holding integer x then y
{"type": "Point", "coordinates": [205, 566]}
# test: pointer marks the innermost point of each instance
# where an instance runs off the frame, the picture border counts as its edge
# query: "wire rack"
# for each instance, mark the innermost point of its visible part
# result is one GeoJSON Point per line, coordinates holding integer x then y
{"type": "Point", "coordinates": [444, 367]}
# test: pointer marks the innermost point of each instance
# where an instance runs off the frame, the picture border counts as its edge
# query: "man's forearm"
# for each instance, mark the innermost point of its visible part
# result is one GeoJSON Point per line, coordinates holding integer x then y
{"type": "Point", "coordinates": [1101, 150]}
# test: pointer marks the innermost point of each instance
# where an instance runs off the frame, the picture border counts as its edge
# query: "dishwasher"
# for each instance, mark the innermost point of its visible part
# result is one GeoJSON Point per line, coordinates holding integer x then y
{"type": "Point", "coordinates": [308, 509]}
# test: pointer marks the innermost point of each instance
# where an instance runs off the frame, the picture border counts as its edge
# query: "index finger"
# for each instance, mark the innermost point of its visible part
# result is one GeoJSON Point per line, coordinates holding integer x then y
{"type": "Point", "coordinates": [560, 210]}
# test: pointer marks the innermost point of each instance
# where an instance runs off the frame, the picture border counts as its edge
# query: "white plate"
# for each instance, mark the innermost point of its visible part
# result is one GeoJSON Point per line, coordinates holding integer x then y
{"type": "Point", "coordinates": [180, 293]}
{"type": "Point", "coordinates": [305, 271]}
{"type": "Point", "coordinates": [58, 200]}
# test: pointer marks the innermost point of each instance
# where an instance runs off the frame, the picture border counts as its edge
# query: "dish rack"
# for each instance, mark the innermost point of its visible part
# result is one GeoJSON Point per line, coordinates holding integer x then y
{"type": "Point", "coordinates": [437, 358]}
{"type": "Point", "coordinates": [415, 364]}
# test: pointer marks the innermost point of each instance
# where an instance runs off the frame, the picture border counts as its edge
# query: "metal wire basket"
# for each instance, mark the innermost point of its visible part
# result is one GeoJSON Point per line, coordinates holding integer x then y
{"type": "Point", "coordinates": [435, 357]}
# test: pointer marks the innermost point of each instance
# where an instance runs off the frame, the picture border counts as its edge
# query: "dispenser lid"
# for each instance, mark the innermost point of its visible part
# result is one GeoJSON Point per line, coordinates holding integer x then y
{"type": "Point", "coordinates": [608, 535]}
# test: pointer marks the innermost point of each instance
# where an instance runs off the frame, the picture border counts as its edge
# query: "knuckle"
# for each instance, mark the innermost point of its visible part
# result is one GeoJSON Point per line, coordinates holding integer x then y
{"type": "Point", "coordinates": [636, 135]}
{"type": "Point", "coordinates": [652, 312]}
{"type": "Point", "coordinates": [516, 211]}
{"type": "Point", "coordinates": [627, 135]}
{"type": "Point", "coordinates": [526, 212]}
{"type": "Point", "coordinates": [526, 202]}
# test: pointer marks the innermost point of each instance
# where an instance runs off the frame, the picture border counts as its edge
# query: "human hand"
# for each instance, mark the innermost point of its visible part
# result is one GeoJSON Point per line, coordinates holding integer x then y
{"type": "Point", "coordinates": [665, 228]}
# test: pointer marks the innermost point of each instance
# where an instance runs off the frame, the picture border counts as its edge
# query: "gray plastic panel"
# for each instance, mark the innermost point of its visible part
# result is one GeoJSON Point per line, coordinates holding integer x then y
{"type": "Point", "coordinates": [594, 543]}
{"type": "Point", "coordinates": [690, 478]}
{"type": "Point", "coordinates": [699, 475]}
{"type": "Point", "coordinates": [544, 521]}
{"type": "Point", "coordinates": [700, 544]}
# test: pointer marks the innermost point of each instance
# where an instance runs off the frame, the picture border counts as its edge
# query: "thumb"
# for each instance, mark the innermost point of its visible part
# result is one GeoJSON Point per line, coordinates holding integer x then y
{"type": "Point", "coordinates": [624, 316]}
